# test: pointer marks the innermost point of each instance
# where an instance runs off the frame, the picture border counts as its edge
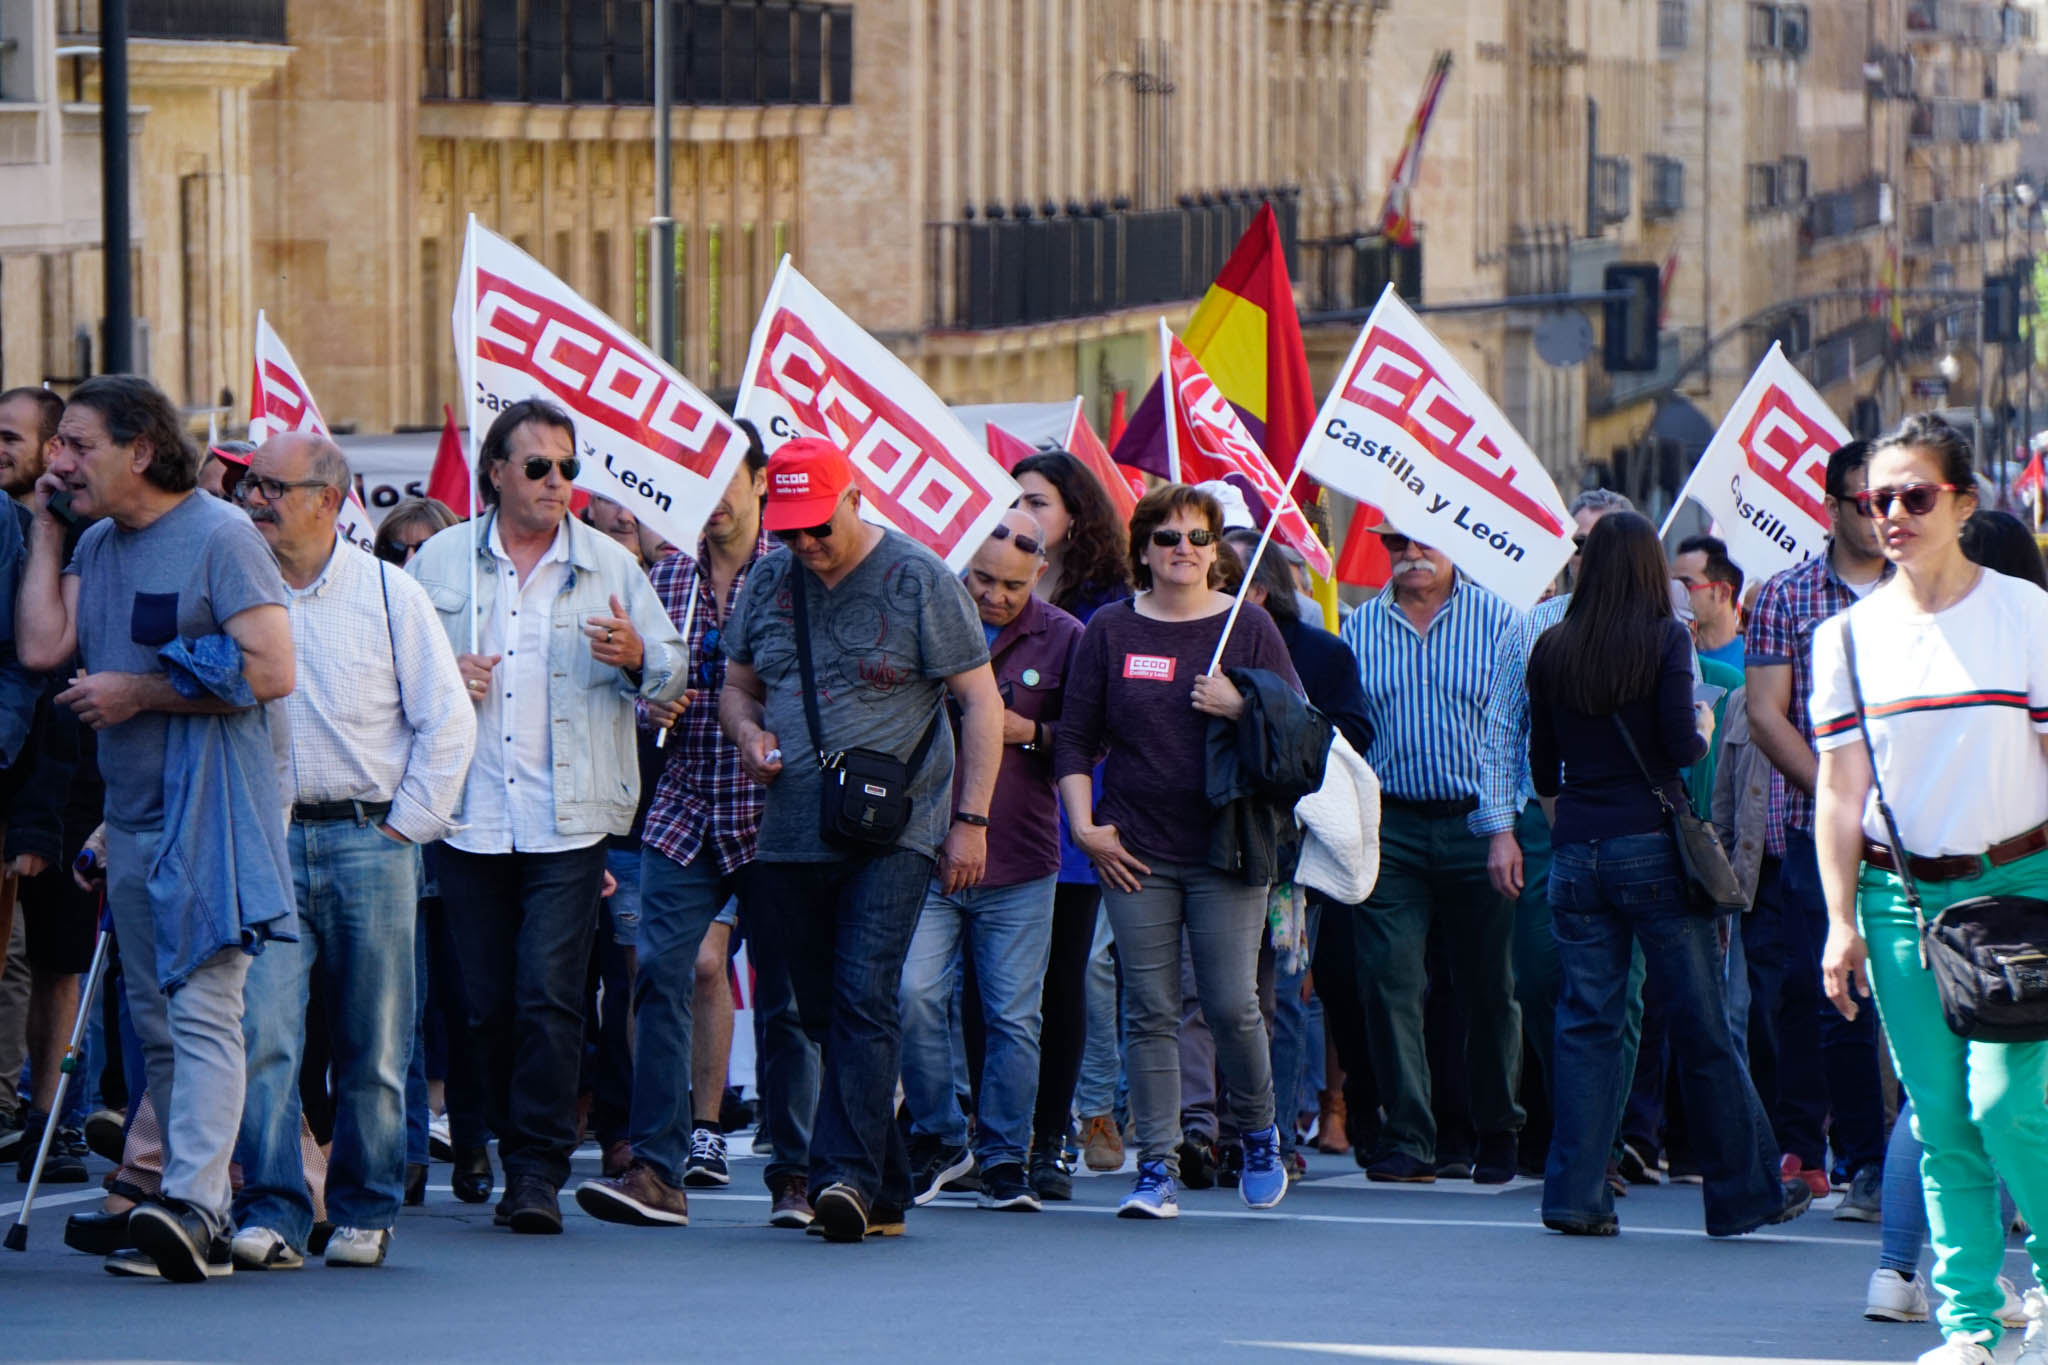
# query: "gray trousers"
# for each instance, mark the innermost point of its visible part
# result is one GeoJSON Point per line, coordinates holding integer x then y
{"type": "Point", "coordinates": [191, 1040]}
{"type": "Point", "coordinates": [1224, 921]}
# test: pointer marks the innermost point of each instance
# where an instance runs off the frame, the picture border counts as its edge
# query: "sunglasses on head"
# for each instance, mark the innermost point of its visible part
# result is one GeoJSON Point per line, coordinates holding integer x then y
{"type": "Point", "coordinates": [1917, 498]}
{"type": "Point", "coordinates": [1023, 542]}
{"type": "Point", "coordinates": [537, 468]}
{"type": "Point", "coordinates": [1166, 539]}
{"type": "Point", "coordinates": [1398, 544]}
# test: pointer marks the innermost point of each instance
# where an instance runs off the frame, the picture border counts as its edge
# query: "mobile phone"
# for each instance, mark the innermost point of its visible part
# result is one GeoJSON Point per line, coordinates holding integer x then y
{"type": "Point", "coordinates": [60, 508]}
{"type": "Point", "coordinates": [1706, 694]}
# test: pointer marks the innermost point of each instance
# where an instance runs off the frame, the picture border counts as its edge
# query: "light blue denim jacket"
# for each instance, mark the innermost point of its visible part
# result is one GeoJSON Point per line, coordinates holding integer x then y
{"type": "Point", "coordinates": [590, 705]}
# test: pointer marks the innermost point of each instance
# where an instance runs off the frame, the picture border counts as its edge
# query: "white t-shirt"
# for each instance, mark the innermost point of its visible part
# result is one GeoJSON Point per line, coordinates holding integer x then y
{"type": "Point", "coordinates": [1955, 702]}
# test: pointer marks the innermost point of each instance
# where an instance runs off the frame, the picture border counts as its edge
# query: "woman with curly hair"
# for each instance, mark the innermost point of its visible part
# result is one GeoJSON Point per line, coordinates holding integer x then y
{"type": "Point", "coordinates": [1086, 563]}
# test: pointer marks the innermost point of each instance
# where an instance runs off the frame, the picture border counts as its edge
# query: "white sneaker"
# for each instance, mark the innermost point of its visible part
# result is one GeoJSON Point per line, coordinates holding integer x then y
{"type": "Point", "coordinates": [2034, 1350]}
{"type": "Point", "coordinates": [1895, 1297]}
{"type": "Point", "coordinates": [264, 1249]}
{"type": "Point", "coordinates": [2013, 1312]}
{"type": "Point", "coordinates": [438, 1145]}
{"type": "Point", "coordinates": [358, 1246]}
{"type": "Point", "coordinates": [1964, 1348]}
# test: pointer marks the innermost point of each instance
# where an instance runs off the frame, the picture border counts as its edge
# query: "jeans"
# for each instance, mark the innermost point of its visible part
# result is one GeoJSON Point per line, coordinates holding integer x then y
{"type": "Point", "coordinates": [1604, 894]}
{"type": "Point", "coordinates": [358, 892]}
{"type": "Point", "coordinates": [1904, 1228]}
{"type": "Point", "coordinates": [1224, 921]}
{"type": "Point", "coordinates": [192, 1037]}
{"type": "Point", "coordinates": [1433, 870]}
{"type": "Point", "coordinates": [844, 929]}
{"type": "Point", "coordinates": [418, 1141]}
{"type": "Point", "coordinates": [1291, 1033]}
{"type": "Point", "coordinates": [785, 1058]}
{"type": "Point", "coordinates": [1008, 931]}
{"type": "Point", "coordinates": [678, 901]}
{"type": "Point", "coordinates": [1852, 1083]}
{"type": "Point", "coordinates": [1102, 1059]}
{"type": "Point", "coordinates": [523, 925]}
{"type": "Point", "coordinates": [1977, 1107]}
{"type": "Point", "coordinates": [608, 981]}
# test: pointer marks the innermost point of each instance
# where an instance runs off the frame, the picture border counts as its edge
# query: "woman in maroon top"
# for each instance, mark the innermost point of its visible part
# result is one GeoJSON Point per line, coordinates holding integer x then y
{"type": "Point", "coordinates": [1137, 691]}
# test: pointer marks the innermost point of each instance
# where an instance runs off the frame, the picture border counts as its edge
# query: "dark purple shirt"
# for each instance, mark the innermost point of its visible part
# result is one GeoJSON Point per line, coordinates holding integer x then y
{"type": "Point", "coordinates": [1031, 659]}
{"type": "Point", "coordinates": [1131, 692]}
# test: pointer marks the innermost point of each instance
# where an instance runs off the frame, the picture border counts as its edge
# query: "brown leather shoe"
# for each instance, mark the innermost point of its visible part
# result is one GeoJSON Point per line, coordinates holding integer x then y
{"type": "Point", "coordinates": [1102, 1146]}
{"type": "Point", "coordinates": [792, 1203]}
{"type": "Point", "coordinates": [618, 1155]}
{"type": "Point", "coordinates": [1330, 1134]}
{"type": "Point", "coordinates": [639, 1198]}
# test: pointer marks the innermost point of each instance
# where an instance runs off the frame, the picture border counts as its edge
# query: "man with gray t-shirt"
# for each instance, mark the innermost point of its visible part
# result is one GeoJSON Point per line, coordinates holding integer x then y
{"type": "Point", "coordinates": [891, 633]}
{"type": "Point", "coordinates": [170, 574]}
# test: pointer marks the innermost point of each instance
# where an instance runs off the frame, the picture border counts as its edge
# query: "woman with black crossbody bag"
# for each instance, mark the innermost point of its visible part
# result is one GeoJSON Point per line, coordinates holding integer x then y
{"type": "Point", "coordinates": [1930, 710]}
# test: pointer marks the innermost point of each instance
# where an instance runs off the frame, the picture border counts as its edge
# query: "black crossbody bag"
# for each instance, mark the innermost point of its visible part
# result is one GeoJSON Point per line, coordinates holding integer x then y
{"type": "Point", "coordinates": [864, 800]}
{"type": "Point", "coordinates": [1710, 882]}
{"type": "Point", "coordinates": [1989, 954]}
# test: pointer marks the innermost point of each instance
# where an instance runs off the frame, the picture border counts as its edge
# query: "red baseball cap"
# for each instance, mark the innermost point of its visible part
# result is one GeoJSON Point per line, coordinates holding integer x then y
{"type": "Point", "coordinates": [806, 479]}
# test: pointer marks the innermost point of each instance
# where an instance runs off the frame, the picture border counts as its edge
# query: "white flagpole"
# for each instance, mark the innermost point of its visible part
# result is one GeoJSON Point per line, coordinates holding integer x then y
{"type": "Point", "coordinates": [1672, 515]}
{"type": "Point", "coordinates": [466, 366]}
{"type": "Point", "coordinates": [1167, 401]}
{"type": "Point", "coordinates": [1272, 520]}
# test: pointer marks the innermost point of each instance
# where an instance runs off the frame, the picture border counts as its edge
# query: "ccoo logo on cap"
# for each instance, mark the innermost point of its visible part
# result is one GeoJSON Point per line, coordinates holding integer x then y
{"type": "Point", "coordinates": [806, 479]}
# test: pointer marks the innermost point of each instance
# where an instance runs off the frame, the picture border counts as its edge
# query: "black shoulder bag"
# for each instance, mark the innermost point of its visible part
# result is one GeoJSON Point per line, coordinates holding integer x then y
{"type": "Point", "coordinates": [1710, 882]}
{"type": "Point", "coordinates": [1987, 953]}
{"type": "Point", "coordinates": [865, 794]}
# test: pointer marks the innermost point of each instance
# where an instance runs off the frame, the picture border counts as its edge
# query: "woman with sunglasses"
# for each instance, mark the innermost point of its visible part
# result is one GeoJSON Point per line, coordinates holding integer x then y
{"type": "Point", "coordinates": [1140, 690]}
{"type": "Point", "coordinates": [409, 525]}
{"type": "Point", "coordinates": [1952, 663]}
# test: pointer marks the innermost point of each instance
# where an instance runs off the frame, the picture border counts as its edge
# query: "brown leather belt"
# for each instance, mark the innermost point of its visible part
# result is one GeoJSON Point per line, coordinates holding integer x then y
{"type": "Point", "coordinates": [1957, 867]}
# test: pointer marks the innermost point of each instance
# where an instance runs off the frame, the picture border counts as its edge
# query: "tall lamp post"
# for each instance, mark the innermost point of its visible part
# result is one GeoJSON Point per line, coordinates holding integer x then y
{"type": "Point", "coordinates": [2027, 194]}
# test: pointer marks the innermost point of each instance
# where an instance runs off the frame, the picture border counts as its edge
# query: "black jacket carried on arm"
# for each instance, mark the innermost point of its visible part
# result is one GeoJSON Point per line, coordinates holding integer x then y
{"type": "Point", "coordinates": [1257, 768]}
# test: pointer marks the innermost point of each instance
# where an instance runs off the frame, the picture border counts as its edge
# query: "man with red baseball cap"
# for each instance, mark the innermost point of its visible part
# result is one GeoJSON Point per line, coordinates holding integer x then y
{"type": "Point", "coordinates": [889, 631]}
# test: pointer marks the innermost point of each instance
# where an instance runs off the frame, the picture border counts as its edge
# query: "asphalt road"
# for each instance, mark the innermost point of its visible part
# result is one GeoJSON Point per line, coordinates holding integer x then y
{"type": "Point", "coordinates": [1445, 1275]}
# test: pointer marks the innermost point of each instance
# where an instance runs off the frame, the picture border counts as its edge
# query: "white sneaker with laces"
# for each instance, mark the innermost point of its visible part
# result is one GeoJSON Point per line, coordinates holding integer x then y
{"type": "Point", "coordinates": [1895, 1297]}
{"type": "Point", "coordinates": [1964, 1348]}
{"type": "Point", "coordinates": [358, 1246]}
{"type": "Point", "coordinates": [264, 1249]}
{"type": "Point", "coordinates": [2034, 1350]}
{"type": "Point", "coordinates": [2013, 1312]}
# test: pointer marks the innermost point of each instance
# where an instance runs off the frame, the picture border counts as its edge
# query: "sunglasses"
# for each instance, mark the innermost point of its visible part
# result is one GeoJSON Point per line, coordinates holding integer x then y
{"type": "Point", "coordinates": [1028, 545]}
{"type": "Point", "coordinates": [537, 468]}
{"type": "Point", "coordinates": [1166, 539]}
{"type": "Point", "coordinates": [271, 489]}
{"type": "Point", "coordinates": [1579, 543]}
{"type": "Point", "coordinates": [822, 532]}
{"type": "Point", "coordinates": [1397, 545]}
{"type": "Point", "coordinates": [1917, 498]}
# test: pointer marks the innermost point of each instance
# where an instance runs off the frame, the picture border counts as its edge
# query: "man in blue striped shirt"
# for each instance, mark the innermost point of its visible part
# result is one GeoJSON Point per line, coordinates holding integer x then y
{"type": "Point", "coordinates": [1426, 650]}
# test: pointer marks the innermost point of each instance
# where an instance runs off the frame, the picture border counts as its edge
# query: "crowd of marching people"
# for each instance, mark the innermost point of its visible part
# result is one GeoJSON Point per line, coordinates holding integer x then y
{"type": "Point", "coordinates": [1102, 853]}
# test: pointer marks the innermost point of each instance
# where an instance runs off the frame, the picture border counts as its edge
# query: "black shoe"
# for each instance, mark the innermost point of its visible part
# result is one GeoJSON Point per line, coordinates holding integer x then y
{"type": "Point", "coordinates": [99, 1233]}
{"type": "Point", "coordinates": [967, 1182]}
{"type": "Point", "coordinates": [1399, 1168]}
{"type": "Point", "coordinates": [1453, 1168]}
{"type": "Point", "coordinates": [1229, 1165]}
{"type": "Point", "coordinates": [1049, 1178]}
{"type": "Point", "coordinates": [104, 1135]}
{"type": "Point", "coordinates": [65, 1164]}
{"type": "Point", "coordinates": [1798, 1199]}
{"type": "Point", "coordinates": [706, 1165]}
{"type": "Point", "coordinates": [534, 1209]}
{"type": "Point", "coordinates": [178, 1241]}
{"type": "Point", "coordinates": [415, 1183]}
{"type": "Point", "coordinates": [938, 1165]}
{"type": "Point", "coordinates": [471, 1179]}
{"type": "Point", "coordinates": [1003, 1186]}
{"type": "Point", "coordinates": [841, 1215]}
{"type": "Point", "coordinates": [1639, 1164]}
{"type": "Point", "coordinates": [1608, 1226]}
{"type": "Point", "coordinates": [1495, 1164]}
{"type": "Point", "coordinates": [1197, 1165]}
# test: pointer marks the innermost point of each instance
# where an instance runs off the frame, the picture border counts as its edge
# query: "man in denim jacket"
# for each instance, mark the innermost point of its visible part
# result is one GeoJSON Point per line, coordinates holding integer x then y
{"type": "Point", "coordinates": [562, 633]}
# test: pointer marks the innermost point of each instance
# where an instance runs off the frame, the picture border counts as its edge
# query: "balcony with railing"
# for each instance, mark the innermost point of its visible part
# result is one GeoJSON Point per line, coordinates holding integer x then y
{"type": "Point", "coordinates": [1951, 120]}
{"type": "Point", "coordinates": [723, 52]}
{"type": "Point", "coordinates": [1846, 212]}
{"type": "Point", "coordinates": [1350, 271]}
{"type": "Point", "coordinates": [1539, 260]}
{"type": "Point", "coordinates": [1943, 224]}
{"type": "Point", "coordinates": [232, 21]}
{"type": "Point", "coordinates": [1011, 267]}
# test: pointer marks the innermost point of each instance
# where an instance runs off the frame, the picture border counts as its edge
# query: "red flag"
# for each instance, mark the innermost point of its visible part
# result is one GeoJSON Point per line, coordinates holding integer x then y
{"type": "Point", "coordinates": [449, 480]}
{"type": "Point", "coordinates": [1117, 419]}
{"type": "Point", "coordinates": [1364, 562]}
{"type": "Point", "coordinates": [1087, 447]}
{"type": "Point", "coordinates": [1007, 449]}
{"type": "Point", "coordinates": [1397, 218]}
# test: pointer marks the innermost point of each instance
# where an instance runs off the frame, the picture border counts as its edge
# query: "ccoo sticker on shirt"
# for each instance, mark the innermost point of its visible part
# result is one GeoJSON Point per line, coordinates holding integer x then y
{"type": "Point", "coordinates": [1149, 667]}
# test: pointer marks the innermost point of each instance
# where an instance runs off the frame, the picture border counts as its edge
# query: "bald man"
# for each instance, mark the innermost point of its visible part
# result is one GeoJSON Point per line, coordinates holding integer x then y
{"type": "Point", "coordinates": [381, 734]}
{"type": "Point", "coordinates": [1006, 921]}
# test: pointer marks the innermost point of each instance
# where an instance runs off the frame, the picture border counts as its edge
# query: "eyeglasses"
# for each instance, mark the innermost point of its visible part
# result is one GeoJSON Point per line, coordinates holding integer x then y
{"type": "Point", "coordinates": [1917, 498]}
{"type": "Point", "coordinates": [1030, 546]}
{"type": "Point", "coordinates": [1397, 545]}
{"type": "Point", "coordinates": [538, 466]}
{"type": "Point", "coordinates": [272, 489]}
{"type": "Point", "coordinates": [1166, 538]}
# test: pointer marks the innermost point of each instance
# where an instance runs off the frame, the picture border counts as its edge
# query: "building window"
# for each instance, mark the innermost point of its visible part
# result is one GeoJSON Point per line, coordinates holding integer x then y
{"type": "Point", "coordinates": [601, 269]}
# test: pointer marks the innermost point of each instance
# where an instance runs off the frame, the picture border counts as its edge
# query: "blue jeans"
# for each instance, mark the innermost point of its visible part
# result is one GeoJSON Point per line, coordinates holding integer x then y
{"type": "Point", "coordinates": [417, 1116]}
{"type": "Point", "coordinates": [677, 902]}
{"type": "Point", "coordinates": [1605, 896]}
{"type": "Point", "coordinates": [358, 893]}
{"type": "Point", "coordinates": [1291, 1034]}
{"type": "Point", "coordinates": [785, 1058]}
{"type": "Point", "coordinates": [1852, 1083]}
{"type": "Point", "coordinates": [523, 925]}
{"type": "Point", "coordinates": [1102, 1060]}
{"type": "Point", "coordinates": [844, 928]}
{"type": "Point", "coordinates": [1008, 929]}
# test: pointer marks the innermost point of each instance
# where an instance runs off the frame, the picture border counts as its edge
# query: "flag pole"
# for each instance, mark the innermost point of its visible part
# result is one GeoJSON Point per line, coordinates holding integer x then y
{"type": "Point", "coordinates": [1273, 516]}
{"type": "Point", "coordinates": [1672, 516]}
{"type": "Point", "coordinates": [466, 289]}
{"type": "Point", "coordinates": [1166, 401]}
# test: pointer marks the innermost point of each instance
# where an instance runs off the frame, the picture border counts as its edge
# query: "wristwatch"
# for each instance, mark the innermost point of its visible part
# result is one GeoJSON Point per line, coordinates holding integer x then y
{"type": "Point", "coordinates": [969, 818]}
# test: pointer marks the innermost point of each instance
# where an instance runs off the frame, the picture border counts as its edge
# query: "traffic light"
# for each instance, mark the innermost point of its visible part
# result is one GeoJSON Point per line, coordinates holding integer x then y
{"type": "Point", "coordinates": [1629, 330]}
{"type": "Point", "coordinates": [2002, 308]}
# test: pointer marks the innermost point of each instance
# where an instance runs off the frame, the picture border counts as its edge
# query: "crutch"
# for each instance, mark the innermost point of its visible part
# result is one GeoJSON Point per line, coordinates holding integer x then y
{"type": "Point", "coordinates": [17, 1236]}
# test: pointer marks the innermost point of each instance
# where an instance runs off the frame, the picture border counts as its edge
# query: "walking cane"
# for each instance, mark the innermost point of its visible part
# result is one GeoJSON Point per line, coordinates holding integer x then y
{"type": "Point", "coordinates": [17, 1236]}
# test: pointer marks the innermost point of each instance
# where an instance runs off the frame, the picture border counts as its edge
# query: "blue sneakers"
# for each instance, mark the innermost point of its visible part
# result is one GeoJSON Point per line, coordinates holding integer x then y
{"type": "Point", "coordinates": [1152, 1194]}
{"type": "Point", "coordinates": [1264, 1181]}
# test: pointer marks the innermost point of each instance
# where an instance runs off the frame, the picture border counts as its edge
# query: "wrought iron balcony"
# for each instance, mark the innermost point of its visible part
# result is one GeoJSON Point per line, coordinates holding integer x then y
{"type": "Point", "coordinates": [233, 21]}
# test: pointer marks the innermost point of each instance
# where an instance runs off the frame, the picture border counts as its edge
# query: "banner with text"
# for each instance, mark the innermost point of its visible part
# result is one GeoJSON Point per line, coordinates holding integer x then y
{"type": "Point", "coordinates": [1763, 477]}
{"type": "Point", "coordinates": [647, 438]}
{"type": "Point", "coordinates": [279, 401]}
{"type": "Point", "coordinates": [1407, 430]}
{"type": "Point", "coordinates": [812, 371]}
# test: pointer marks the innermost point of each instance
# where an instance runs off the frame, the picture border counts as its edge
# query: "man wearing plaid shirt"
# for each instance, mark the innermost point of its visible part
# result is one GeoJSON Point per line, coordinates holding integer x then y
{"type": "Point", "coordinates": [1804, 1057]}
{"type": "Point", "coordinates": [697, 852]}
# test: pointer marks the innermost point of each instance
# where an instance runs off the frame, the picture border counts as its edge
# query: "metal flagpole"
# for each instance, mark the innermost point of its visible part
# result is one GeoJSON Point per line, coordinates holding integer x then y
{"type": "Point", "coordinates": [1251, 567]}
